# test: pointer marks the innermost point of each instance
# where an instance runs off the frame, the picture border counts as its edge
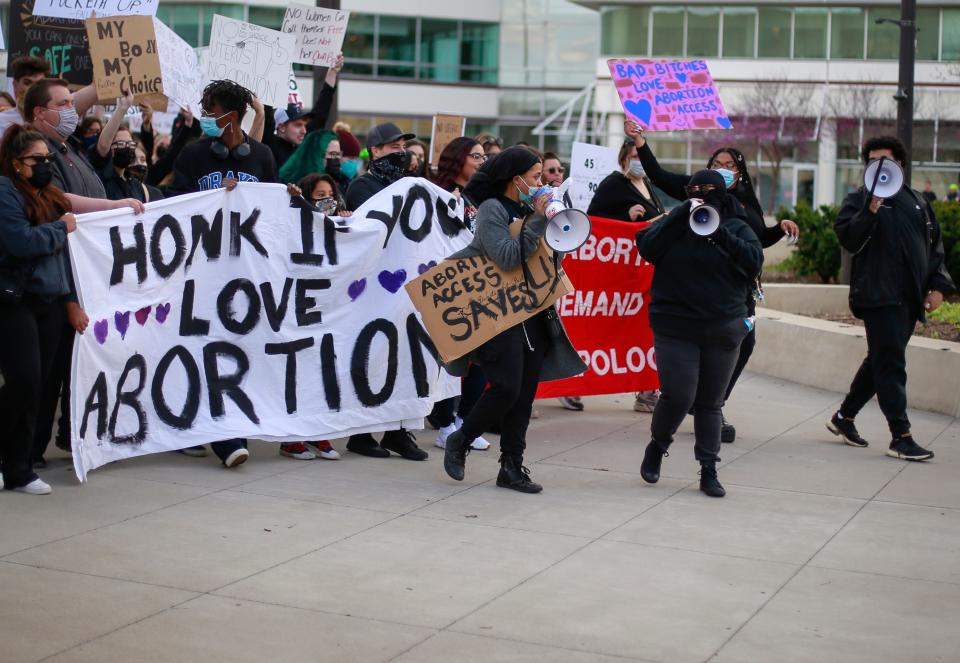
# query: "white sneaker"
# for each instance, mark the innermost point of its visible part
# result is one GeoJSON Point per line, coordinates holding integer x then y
{"type": "Point", "coordinates": [443, 434]}
{"type": "Point", "coordinates": [36, 487]}
{"type": "Point", "coordinates": [238, 457]}
{"type": "Point", "coordinates": [479, 444]}
{"type": "Point", "coordinates": [323, 449]}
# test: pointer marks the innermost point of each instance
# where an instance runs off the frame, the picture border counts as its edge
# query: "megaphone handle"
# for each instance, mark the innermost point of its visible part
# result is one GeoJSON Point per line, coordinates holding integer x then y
{"type": "Point", "coordinates": [876, 178]}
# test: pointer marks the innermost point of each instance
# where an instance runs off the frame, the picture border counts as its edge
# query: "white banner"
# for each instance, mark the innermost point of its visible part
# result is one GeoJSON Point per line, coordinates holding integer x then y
{"type": "Point", "coordinates": [232, 314]}
{"type": "Point", "coordinates": [319, 33]}
{"type": "Point", "coordinates": [589, 164]}
{"type": "Point", "coordinates": [253, 56]}
{"type": "Point", "coordinates": [81, 9]}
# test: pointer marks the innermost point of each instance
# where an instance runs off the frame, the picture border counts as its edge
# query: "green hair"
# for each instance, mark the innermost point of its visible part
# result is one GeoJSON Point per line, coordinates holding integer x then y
{"type": "Point", "coordinates": [309, 157]}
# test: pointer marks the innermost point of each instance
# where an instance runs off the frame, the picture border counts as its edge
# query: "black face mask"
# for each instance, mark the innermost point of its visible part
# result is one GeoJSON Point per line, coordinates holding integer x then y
{"type": "Point", "coordinates": [332, 166]}
{"type": "Point", "coordinates": [124, 156]}
{"type": "Point", "coordinates": [42, 175]}
{"type": "Point", "coordinates": [137, 172]}
{"type": "Point", "coordinates": [390, 168]}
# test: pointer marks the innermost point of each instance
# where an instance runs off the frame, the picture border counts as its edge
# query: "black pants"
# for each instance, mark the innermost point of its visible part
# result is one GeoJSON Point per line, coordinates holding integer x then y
{"type": "Point", "coordinates": [511, 362]}
{"type": "Point", "coordinates": [444, 412]}
{"type": "Point", "coordinates": [695, 365]}
{"type": "Point", "coordinates": [224, 448]}
{"type": "Point", "coordinates": [746, 349]}
{"type": "Point", "coordinates": [56, 391]}
{"type": "Point", "coordinates": [29, 334]}
{"type": "Point", "coordinates": [884, 370]}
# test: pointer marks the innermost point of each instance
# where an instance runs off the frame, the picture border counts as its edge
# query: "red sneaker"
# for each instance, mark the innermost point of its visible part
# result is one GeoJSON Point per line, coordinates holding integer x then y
{"type": "Point", "coordinates": [296, 450]}
{"type": "Point", "coordinates": [323, 449]}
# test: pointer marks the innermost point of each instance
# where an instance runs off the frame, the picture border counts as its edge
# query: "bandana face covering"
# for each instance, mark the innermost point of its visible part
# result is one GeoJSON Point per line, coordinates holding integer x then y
{"type": "Point", "coordinates": [390, 168]}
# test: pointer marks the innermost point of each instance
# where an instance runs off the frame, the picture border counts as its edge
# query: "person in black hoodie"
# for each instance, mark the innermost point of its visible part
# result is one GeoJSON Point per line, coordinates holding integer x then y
{"type": "Point", "coordinates": [732, 165]}
{"type": "Point", "coordinates": [898, 276]}
{"type": "Point", "coordinates": [626, 195]}
{"type": "Point", "coordinates": [699, 317]}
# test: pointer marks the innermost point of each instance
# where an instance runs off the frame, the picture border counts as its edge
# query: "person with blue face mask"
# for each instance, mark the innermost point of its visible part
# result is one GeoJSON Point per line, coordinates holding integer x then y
{"type": "Point", "coordinates": [730, 163]}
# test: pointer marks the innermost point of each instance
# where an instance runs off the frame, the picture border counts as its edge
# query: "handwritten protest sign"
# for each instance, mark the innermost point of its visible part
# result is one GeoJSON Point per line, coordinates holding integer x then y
{"type": "Point", "coordinates": [668, 95]}
{"type": "Point", "coordinates": [61, 42]}
{"type": "Point", "coordinates": [217, 315]}
{"type": "Point", "coordinates": [141, 55]}
{"type": "Point", "coordinates": [607, 318]}
{"type": "Point", "coordinates": [255, 57]}
{"type": "Point", "coordinates": [464, 303]}
{"type": "Point", "coordinates": [589, 164]}
{"type": "Point", "coordinates": [81, 9]}
{"type": "Point", "coordinates": [319, 33]}
{"type": "Point", "coordinates": [445, 129]}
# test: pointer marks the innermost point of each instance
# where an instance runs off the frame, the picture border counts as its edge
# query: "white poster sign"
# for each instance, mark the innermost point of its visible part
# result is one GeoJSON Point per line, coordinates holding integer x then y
{"type": "Point", "coordinates": [183, 79]}
{"type": "Point", "coordinates": [82, 9]}
{"type": "Point", "coordinates": [589, 164]}
{"type": "Point", "coordinates": [255, 57]}
{"type": "Point", "coordinates": [319, 33]}
{"type": "Point", "coordinates": [221, 314]}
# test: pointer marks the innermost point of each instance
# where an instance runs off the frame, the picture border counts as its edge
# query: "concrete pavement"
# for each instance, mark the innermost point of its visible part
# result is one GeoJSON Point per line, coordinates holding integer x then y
{"type": "Point", "coordinates": [819, 552]}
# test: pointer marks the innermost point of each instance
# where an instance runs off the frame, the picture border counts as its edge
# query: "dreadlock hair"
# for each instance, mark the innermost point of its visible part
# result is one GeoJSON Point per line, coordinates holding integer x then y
{"type": "Point", "coordinates": [229, 96]}
{"type": "Point", "coordinates": [744, 191]}
{"type": "Point", "coordinates": [47, 204]}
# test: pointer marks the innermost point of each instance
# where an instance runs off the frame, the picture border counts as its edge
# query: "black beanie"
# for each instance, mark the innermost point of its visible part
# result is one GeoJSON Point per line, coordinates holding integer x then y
{"type": "Point", "coordinates": [491, 178]}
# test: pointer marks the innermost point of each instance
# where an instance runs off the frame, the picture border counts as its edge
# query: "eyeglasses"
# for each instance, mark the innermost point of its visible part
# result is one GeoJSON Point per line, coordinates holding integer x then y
{"type": "Point", "coordinates": [35, 159]}
{"type": "Point", "coordinates": [120, 144]}
{"type": "Point", "coordinates": [478, 156]}
{"type": "Point", "coordinates": [555, 171]}
{"type": "Point", "coordinates": [694, 189]}
{"type": "Point", "coordinates": [334, 155]}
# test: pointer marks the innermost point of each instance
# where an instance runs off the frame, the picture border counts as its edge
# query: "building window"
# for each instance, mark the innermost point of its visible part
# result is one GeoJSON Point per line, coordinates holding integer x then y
{"type": "Point", "coordinates": [846, 33]}
{"type": "Point", "coordinates": [928, 34]}
{"type": "Point", "coordinates": [703, 32]}
{"type": "Point", "coordinates": [624, 30]}
{"type": "Point", "coordinates": [775, 32]}
{"type": "Point", "coordinates": [810, 32]}
{"type": "Point", "coordinates": [883, 39]}
{"type": "Point", "coordinates": [951, 35]}
{"type": "Point", "coordinates": [667, 31]}
{"type": "Point", "coordinates": [739, 32]}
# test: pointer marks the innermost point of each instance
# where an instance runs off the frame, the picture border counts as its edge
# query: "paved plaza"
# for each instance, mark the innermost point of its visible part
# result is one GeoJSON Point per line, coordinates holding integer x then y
{"type": "Point", "coordinates": [819, 553]}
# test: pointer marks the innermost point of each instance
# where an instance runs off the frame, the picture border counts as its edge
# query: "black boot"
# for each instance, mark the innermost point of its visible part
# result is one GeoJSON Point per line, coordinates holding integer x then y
{"type": "Point", "coordinates": [709, 483]}
{"type": "Point", "coordinates": [402, 442]}
{"type": "Point", "coordinates": [514, 475]}
{"type": "Point", "coordinates": [365, 445]}
{"type": "Point", "coordinates": [455, 455]}
{"type": "Point", "coordinates": [652, 457]}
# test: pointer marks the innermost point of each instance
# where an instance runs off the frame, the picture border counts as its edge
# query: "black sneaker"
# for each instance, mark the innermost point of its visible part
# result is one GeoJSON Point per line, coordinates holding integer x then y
{"type": "Point", "coordinates": [709, 483]}
{"type": "Point", "coordinates": [402, 442]}
{"type": "Point", "coordinates": [727, 432]}
{"type": "Point", "coordinates": [652, 458]}
{"type": "Point", "coordinates": [455, 455]}
{"type": "Point", "coordinates": [905, 448]}
{"type": "Point", "coordinates": [846, 429]}
{"type": "Point", "coordinates": [515, 476]}
{"type": "Point", "coordinates": [365, 445]}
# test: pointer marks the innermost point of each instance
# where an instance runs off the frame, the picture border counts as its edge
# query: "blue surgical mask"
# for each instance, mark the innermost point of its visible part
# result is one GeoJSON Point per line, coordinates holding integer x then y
{"type": "Point", "coordinates": [208, 125]}
{"type": "Point", "coordinates": [729, 177]}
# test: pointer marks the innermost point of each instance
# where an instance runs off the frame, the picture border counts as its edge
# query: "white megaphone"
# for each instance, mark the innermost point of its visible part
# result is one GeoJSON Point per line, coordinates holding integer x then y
{"type": "Point", "coordinates": [567, 228]}
{"type": "Point", "coordinates": [883, 177]}
{"type": "Point", "coordinates": [704, 219]}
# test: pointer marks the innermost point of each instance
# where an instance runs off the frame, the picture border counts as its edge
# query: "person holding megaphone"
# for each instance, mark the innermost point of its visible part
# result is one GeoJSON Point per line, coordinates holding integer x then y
{"type": "Point", "coordinates": [707, 258]}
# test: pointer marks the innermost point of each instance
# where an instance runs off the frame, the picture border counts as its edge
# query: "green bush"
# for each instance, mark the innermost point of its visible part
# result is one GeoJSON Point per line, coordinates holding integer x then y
{"type": "Point", "coordinates": [818, 251]}
{"type": "Point", "coordinates": [947, 313]}
{"type": "Point", "coordinates": [948, 215]}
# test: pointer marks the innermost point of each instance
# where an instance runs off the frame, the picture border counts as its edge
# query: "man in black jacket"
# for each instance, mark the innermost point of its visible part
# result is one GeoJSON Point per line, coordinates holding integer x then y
{"type": "Point", "coordinates": [389, 160]}
{"type": "Point", "coordinates": [898, 276]}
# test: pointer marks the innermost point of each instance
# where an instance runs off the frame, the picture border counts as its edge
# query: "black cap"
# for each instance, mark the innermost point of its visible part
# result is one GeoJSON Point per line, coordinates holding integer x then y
{"type": "Point", "coordinates": [386, 133]}
{"type": "Point", "coordinates": [290, 113]}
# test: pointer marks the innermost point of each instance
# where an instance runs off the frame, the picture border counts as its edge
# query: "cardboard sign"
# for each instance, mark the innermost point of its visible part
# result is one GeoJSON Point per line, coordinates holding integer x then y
{"type": "Point", "coordinates": [464, 303]}
{"type": "Point", "coordinates": [607, 317]}
{"type": "Point", "coordinates": [589, 165]}
{"type": "Point", "coordinates": [445, 129]}
{"type": "Point", "coordinates": [319, 33]}
{"type": "Point", "coordinates": [61, 42]}
{"type": "Point", "coordinates": [217, 315]}
{"type": "Point", "coordinates": [668, 95]}
{"type": "Point", "coordinates": [255, 57]}
{"type": "Point", "coordinates": [82, 9]}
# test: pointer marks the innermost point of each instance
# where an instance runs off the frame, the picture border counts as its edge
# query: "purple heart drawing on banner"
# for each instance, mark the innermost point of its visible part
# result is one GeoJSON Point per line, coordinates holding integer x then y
{"type": "Point", "coordinates": [392, 281]}
{"type": "Point", "coordinates": [142, 315]}
{"type": "Point", "coordinates": [163, 310]}
{"type": "Point", "coordinates": [100, 330]}
{"type": "Point", "coordinates": [122, 322]}
{"type": "Point", "coordinates": [356, 289]}
{"type": "Point", "coordinates": [423, 267]}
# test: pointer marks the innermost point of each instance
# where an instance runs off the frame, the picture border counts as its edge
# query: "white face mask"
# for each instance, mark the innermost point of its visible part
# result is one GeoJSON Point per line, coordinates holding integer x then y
{"type": "Point", "coordinates": [635, 169]}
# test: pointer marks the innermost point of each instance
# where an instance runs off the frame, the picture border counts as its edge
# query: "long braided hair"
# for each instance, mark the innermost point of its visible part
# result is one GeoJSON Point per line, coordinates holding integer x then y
{"type": "Point", "coordinates": [744, 191]}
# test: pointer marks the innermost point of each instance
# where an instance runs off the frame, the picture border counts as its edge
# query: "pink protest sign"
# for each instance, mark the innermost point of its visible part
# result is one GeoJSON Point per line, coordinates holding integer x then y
{"type": "Point", "coordinates": [668, 95]}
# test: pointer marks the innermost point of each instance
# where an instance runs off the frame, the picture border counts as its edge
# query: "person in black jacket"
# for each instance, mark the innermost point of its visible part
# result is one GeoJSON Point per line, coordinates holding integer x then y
{"type": "Point", "coordinates": [626, 195]}
{"type": "Point", "coordinates": [699, 317]}
{"type": "Point", "coordinates": [898, 276]}
{"type": "Point", "coordinates": [388, 163]}
{"type": "Point", "coordinates": [732, 165]}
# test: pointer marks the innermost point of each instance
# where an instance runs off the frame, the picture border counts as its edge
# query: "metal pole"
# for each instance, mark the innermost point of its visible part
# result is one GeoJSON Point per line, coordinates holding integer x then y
{"type": "Point", "coordinates": [904, 96]}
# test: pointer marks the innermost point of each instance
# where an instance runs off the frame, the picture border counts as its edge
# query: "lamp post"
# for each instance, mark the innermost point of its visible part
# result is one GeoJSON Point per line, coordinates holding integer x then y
{"type": "Point", "coordinates": [904, 95]}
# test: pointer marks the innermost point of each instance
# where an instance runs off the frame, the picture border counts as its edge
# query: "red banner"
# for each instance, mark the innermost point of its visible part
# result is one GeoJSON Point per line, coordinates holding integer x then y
{"type": "Point", "coordinates": [606, 316]}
